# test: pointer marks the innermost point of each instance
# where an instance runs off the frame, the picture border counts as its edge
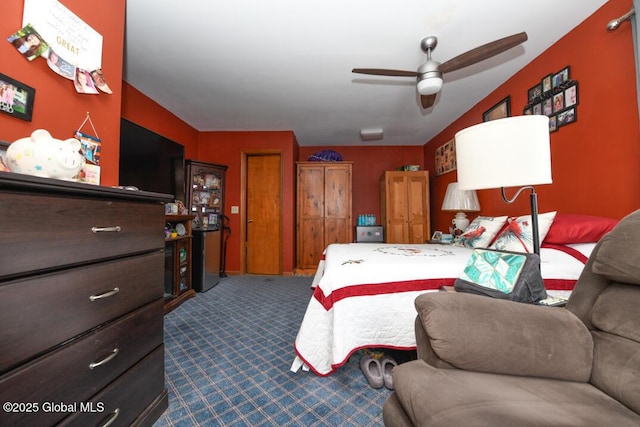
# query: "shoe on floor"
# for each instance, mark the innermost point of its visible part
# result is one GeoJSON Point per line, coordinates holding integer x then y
{"type": "Point", "coordinates": [388, 363]}
{"type": "Point", "coordinates": [372, 370]}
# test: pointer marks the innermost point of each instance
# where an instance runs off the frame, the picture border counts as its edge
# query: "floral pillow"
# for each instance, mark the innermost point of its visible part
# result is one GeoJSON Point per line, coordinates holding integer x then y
{"type": "Point", "coordinates": [517, 236]}
{"type": "Point", "coordinates": [481, 232]}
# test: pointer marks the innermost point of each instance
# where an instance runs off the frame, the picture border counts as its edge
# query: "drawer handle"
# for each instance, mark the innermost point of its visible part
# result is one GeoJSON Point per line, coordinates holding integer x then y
{"type": "Point", "coordinates": [107, 359]}
{"type": "Point", "coordinates": [112, 418]}
{"type": "Point", "coordinates": [105, 295]}
{"type": "Point", "coordinates": [117, 228]}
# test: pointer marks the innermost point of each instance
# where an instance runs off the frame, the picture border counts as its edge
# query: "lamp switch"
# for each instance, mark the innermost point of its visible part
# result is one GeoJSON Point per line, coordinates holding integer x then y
{"type": "Point", "coordinates": [235, 209]}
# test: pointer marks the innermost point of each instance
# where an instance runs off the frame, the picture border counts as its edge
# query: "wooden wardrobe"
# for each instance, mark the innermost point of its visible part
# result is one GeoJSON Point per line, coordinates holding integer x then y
{"type": "Point", "coordinates": [405, 206]}
{"type": "Point", "coordinates": [323, 213]}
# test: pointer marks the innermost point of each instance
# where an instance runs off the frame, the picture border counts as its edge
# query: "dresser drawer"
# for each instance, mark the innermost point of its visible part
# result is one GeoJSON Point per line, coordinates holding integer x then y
{"type": "Point", "coordinates": [127, 397]}
{"type": "Point", "coordinates": [43, 311]}
{"type": "Point", "coordinates": [65, 376]}
{"type": "Point", "coordinates": [42, 232]}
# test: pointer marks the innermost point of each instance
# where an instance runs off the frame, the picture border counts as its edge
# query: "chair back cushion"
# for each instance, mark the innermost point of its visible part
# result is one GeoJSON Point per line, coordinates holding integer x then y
{"type": "Point", "coordinates": [615, 313]}
{"type": "Point", "coordinates": [618, 258]}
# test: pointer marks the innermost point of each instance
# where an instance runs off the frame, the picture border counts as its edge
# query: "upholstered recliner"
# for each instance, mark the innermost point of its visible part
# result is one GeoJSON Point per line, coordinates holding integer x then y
{"type": "Point", "coordinates": [489, 362]}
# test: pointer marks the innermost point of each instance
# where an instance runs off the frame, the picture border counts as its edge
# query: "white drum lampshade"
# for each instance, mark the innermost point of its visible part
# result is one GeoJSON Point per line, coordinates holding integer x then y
{"type": "Point", "coordinates": [510, 152]}
{"type": "Point", "coordinates": [460, 201]}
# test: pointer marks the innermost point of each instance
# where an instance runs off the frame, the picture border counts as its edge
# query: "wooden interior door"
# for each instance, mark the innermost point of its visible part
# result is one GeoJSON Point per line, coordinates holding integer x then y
{"type": "Point", "coordinates": [263, 214]}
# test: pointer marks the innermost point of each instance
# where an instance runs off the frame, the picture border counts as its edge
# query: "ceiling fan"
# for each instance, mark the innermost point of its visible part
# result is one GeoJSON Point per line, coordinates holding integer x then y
{"type": "Point", "coordinates": [429, 75]}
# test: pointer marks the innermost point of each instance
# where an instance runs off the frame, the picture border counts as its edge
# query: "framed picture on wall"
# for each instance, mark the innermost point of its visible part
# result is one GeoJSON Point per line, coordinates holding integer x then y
{"type": "Point", "coordinates": [571, 95]}
{"type": "Point", "coordinates": [534, 92]}
{"type": "Point", "coordinates": [560, 77]}
{"type": "Point", "coordinates": [567, 116]}
{"type": "Point", "coordinates": [499, 111]}
{"type": "Point", "coordinates": [446, 157]}
{"type": "Point", "coordinates": [16, 99]}
{"type": "Point", "coordinates": [547, 107]}
{"type": "Point", "coordinates": [558, 102]}
{"type": "Point", "coordinates": [546, 83]}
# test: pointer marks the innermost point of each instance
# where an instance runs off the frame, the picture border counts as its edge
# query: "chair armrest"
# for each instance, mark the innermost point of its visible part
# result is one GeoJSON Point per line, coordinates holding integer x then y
{"type": "Point", "coordinates": [479, 333]}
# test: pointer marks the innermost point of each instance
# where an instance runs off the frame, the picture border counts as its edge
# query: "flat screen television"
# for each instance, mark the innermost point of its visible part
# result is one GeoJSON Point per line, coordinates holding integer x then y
{"type": "Point", "coordinates": [150, 161]}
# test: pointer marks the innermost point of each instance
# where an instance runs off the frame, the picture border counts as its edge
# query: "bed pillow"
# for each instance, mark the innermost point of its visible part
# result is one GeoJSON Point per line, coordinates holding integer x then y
{"type": "Point", "coordinates": [517, 235]}
{"type": "Point", "coordinates": [568, 228]}
{"type": "Point", "coordinates": [481, 232]}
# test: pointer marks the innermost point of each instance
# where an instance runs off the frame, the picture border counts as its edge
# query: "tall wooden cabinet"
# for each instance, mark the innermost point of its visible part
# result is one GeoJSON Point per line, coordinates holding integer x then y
{"type": "Point", "coordinates": [205, 199]}
{"type": "Point", "coordinates": [405, 206]}
{"type": "Point", "coordinates": [323, 209]}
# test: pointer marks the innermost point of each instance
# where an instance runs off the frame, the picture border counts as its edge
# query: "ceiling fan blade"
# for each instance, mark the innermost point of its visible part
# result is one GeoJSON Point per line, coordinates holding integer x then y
{"type": "Point", "coordinates": [483, 52]}
{"type": "Point", "coordinates": [427, 100]}
{"type": "Point", "coordinates": [383, 72]}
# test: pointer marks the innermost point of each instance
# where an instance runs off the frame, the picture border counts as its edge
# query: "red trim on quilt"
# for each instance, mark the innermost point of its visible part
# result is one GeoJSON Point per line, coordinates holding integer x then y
{"type": "Point", "coordinates": [559, 284]}
{"type": "Point", "coordinates": [410, 286]}
{"type": "Point", "coordinates": [379, 289]}
{"type": "Point", "coordinates": [567, 250]}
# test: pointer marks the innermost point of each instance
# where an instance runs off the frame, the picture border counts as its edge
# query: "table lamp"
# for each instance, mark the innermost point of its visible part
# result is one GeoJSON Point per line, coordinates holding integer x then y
{"type": "Point", "coordinates": [459, 201]}
{"type": "Point", "coordinates": [510, 152]}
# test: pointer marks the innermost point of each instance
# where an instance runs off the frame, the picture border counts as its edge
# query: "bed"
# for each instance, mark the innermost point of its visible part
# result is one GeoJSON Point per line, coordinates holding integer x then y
{"type": "Point", "coordinates": [364, 292]}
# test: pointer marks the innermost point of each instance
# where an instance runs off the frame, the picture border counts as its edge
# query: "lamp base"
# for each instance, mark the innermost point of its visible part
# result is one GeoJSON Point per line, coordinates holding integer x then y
{"type": "Point", "coordinates": [460, 223]}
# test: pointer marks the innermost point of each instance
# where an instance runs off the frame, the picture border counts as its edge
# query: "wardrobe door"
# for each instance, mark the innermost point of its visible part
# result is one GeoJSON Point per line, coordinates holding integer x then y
{"type": "Point", "coordinates": [310, 227]}
{"type": "Point", "coordinates": [395, 208]}
{"type": "Point", "coordinates": [405, 206]}
{"type": "Point", "coordinates": [418, 208]}
{"type": "Point", "coordinates": [337, 207]}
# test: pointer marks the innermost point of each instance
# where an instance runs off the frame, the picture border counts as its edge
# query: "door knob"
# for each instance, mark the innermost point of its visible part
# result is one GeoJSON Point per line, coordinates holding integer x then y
{"type": "Point", "coordinates": [249, 220]}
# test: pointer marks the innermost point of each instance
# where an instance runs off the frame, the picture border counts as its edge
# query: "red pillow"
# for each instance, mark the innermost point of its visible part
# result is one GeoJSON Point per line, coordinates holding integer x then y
{"type": "Point", "coordinates": [570, 228]}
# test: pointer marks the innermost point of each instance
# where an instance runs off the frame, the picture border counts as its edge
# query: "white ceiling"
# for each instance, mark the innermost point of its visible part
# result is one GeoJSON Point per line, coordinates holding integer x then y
{"type": "Point", "coordinates": [286, 64]}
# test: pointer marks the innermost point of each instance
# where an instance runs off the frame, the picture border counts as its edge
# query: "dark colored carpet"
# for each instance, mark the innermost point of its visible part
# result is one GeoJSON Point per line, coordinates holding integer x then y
{"type": "Point", "coordinates": [228, 354]}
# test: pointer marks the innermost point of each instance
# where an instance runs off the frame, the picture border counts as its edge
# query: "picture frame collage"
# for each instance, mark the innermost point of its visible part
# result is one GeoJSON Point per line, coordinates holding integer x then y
{"type": "Point", "coordinates": [555, 96]}
{"type": "Point", "coordinates": [446, 157]}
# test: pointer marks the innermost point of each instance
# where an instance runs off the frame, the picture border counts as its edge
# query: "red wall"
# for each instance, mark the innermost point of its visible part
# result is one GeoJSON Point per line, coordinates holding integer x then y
{"type": "Point", "coordinates": [368, 164]}
{"type": "Point", "coordinates": [58, 108]}
{"type": "Point", "coordinates": [596, 160]}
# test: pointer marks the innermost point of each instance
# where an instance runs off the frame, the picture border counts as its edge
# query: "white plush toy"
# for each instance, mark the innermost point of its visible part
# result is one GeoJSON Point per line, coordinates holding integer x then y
{"type": "Point", "coordinates": [43, 155]}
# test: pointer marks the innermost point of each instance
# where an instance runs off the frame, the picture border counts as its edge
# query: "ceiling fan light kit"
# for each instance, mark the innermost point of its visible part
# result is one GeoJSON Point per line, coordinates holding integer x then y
{"type": "Point", "coordinates": [429, 85]}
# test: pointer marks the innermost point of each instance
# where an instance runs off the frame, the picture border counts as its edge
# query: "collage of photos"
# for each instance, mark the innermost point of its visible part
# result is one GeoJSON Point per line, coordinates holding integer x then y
{"type": "Point", "coordinates": [31, 45]}
{"type": "Point", "coordinates": [556, 96]}
{"type": "Point", "coordinates": [446, 157]}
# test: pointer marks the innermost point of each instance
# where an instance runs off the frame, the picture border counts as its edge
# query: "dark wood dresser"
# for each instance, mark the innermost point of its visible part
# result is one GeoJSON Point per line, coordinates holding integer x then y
{"type": "Point", "coordinates": [81, 304]}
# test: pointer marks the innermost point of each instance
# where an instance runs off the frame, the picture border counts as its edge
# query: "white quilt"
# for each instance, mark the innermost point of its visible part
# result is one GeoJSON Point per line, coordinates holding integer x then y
{"type": "Point", "coordinates": [364, 295]}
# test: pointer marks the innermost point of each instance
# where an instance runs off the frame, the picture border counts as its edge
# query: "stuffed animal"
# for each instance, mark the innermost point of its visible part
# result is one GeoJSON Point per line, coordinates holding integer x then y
{"type": "Point", "coordinates": [42, 155]}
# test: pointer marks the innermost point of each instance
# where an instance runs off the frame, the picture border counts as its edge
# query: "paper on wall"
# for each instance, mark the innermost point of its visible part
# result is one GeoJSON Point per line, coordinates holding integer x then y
{"type": "Point", "coordinates": [69, 36]}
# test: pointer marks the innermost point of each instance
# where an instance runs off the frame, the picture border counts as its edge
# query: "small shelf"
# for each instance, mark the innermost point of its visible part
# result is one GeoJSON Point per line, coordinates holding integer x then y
{"type": "Point", "coordinates": [177, 280]}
